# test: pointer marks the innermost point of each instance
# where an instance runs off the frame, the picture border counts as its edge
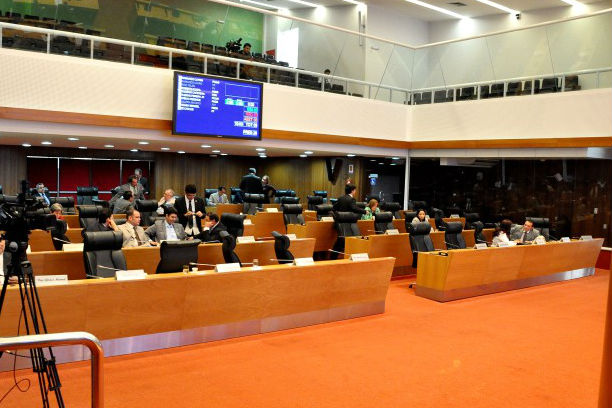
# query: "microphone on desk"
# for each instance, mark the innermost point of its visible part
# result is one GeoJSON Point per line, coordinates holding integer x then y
{"type": "Point", "coordinates": [200, 264]}
{"type": "Point", "coordinates": [212, 242]}
{"type": "Point", "coordinates": [281, 260]}
{"type": "Point", "coordinates": [376, 231]}
{"type": "Point", "coordinates": [338, 252]}
{"type": "Point", "coordinates": [61, 240]}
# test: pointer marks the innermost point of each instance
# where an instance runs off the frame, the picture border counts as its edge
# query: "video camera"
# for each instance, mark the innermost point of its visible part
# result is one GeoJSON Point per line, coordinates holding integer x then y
{"type": "Point", "coordinates": [234, 46]}
{"type": "Point", "coordinates": [21, 214]}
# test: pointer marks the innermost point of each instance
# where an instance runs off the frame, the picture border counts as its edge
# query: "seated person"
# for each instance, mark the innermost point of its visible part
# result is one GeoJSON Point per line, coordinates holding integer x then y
{"type": "Point", "coordinates": [105, 222]}
{"type": "Point", "coordinates": [524, 234]}
{"type": "Point", "coordinates": [166, 200]}
{"type": "Point", "coordinates": [212, 229]}
{"type": "Point", "coordinates": [40, 193]}
{"type": "Point", "coordinates": [124, 203]}
{"type": "Point", "coordinates": [167, 229]}
{"type": "Point", "coordinates": [220, 197]}
{"type": "Point", "coordinates": [371, 210]}
{"type": "Point", "coordinates": [57, 210]}
{"type": "Point", "coordinates": [421, 216]}
{"type": "Point", "coordinates": [502, 233]}
{"type": "Point", "coordinates": [133, 234]}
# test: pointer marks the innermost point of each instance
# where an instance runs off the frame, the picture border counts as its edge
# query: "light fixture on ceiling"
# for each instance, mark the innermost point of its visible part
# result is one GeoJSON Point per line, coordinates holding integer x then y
{"type": "Point", "coordinates": [381, 163]}
{"type": "Point", "coordinates": [165, 149]}
{"type": "Point", "coordinates": [395, 158]}
{"type": "Point", "coordinates": [260, 149]}
{"type": "Point", "coordinates": [223, 154]}
{"type": "Point", "coordinates": [216, 151]}
{"type": "Point", "coordinates": [358, 3]}
{"type": "Point", "coordinates": [263, 156]}
{"type": "Point", "coordinates": [305, 3]}
{"type": "Point", "coordinates": [181, 152]}
{"type": "Point", "coordinates": [109, 146]}
{"type": "Point", "coordinates": [436, 8]}
{"type": "Point", "coordinates": [373, 160]}
{"type": "Point", "coordinates": [303, 155]}
{"type": "Point", "coordinates": [46, 143]}
{"type": "Point", "coordinates": [499, 6]}
{"type": "Point", "coordinates": [142, 142]}
{"type": "Point", "coordinates": [350, 155]}
{"type": "Point", "coordinates": [393, 164]}
{"type": "Point", "coordinates": [573, 3]}
{"type": "Point", "coordinates": [83, 147]}
{"type": "Point", "coordinates": [205, 146]}
{"type": "Point", "coordinates": [133, 150]}
{"type": "Point", "coordinates": [308, 152]}
{"type": "Point", "coordinates": [257, 3]}
{"type": "Point", "coordinates": [26, 145]}
{"type": "Point", "coordinates": [73, 139]}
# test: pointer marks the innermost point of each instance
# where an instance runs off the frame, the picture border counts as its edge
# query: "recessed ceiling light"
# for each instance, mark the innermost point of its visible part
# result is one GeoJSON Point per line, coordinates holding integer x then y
{"type": "Point", "coordinates": [436, 8]}
{"type": "Point", "coordinates": [308, 152]}
{"type": "Point", "coordinates": [499, 6]}
{"type": "Point", "coordinates": [142, 142]}
{"type": "Point", "coordinates": [395, 158]}
{"type": "Point", "coordinates": [223, 154]}
{"type": "Point", "coordinates": [305, 3]}
{"type": "Point", "coordinates": [205, 146]}
{"type": "Point", "coordinates": [303, 155]}
{"type": "Point", "coordinates": [165, 148]}
{"type": "Point", "coordinates": [573, 3]}
{"type": "Point", "coordinates": [260, 149]}
{"type": "Point", "coordinates": [46, 142]}
{"type": "Point", "coordinates": [381, 163]}
{"type": "Point", "coordinates": [73, 139]}
{"type": "Point", "coordinates": [216, 151]}
{"type": "Point", "coordinates": [263, 156]}
{"type": "Point", "coordinates": [372, 159]}
{"type": "Point", "coordinates": [133, 150]}
{"type": "Point", "coordinates": [181, 152]}
{"type": "Point", "coordinates": [26, 145]}
{"type": "Point", "coordinates": [82, 147]}
{"type": "Point", "coordinates": [350, 155]}
{"type": "Point", "coordinates": [393, 164]}
{"type": "Point", "coordinates": [257, 3]}
{"type": "Point", "coordinates": [109, 146]}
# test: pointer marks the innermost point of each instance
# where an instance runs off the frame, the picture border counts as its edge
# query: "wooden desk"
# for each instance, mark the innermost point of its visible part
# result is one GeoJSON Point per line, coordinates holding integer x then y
{"type": "Point", "coordinates": [178, 309]}
{"type": "Point", "coordinates": [249, 230]}
{"type": "Point", "coordinates": [41, 241]}
{"type": "Point", "coordinates": [72, 220]}
{"type": "Point", "coordinates": [272, 205]}
{"type": "Point", "coordinates": [309, 215]}
{"type": "Point", "coordinates": [323, 231]}
{"type": "Point", "coordinates": [468, 272]}
{"type": "Point", "coordinates": [75, 235]}
{"type": "Point", "coordinates": [380, 246]}
{"type": "Point", "coordinates": [227, 208]}
{"type": "Point", "coordinates": [58, 263]}
{"type": "Point", "coordinates": [266, 222]}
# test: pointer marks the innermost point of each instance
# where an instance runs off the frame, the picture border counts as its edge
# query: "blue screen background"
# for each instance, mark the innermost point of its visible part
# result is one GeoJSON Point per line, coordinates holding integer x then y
{"type": "Point", "coordinates": [218, 107]}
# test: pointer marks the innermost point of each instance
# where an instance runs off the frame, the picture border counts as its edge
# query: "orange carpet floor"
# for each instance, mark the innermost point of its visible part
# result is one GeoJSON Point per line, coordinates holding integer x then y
{"type": "Point", "coordinates": [536, 347]}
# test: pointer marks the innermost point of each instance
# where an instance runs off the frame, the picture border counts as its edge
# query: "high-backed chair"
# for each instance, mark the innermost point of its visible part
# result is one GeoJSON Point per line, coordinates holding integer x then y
{"type": "Point", "coordinates": [409, 215]}
{"type": "Point", "coordinates": [383, 221]}
{"type": "Point", "coordinates": [438, 216]}
{"type": "Point", "coordinates": [541, 224]}
{"type": "Point", "coordinates": [101, 203]}
{"type": "Point", "coordinates": [236, 195]}
{"type": "Point", "coordinates": [314, 201]}
{"type": "Point", "coordinates": [59, 232]}
{"type": "Point", "coordinates": [8, 199]}
{"type": "Point", "coordinates": [479, 237]}
{"type": "Point", "coordinates": [289, 200]}
{"type": "Point", "coordinates": [252, 202]}
{"type": "Point", "coordinates": [394, 208]}
{"type": "Point", "coordinates": [346, 226]}
{"type": "Point", "coordinates": [147, 208]}
{"type": "Point", "coordinates": [102, 253]}
{"type": "Point", "coordinates": [420, 241]}
{"type": "Point", "coordinates": [361, 204]}
{"type": "Point", "coordinates": [207, 193]}
{"type": "Point", "coordinates": [324, 210]}
{"type": "Point", "coordinates": [470, 219]}
{"type": "Point", "coordinates": [320, 193]}
{"type": "Point", "coordinates": [176, 254]}
{"type": "Point", "coordinates": [228, 244]}
{"type": "Point", "coordinates": [234, 223]}
{"type": "Point", "coordinates": [1, 192]}
{"type": "Point", "coordinates": [89, 215]}
{"type": "Point", "coordinates": [86, 195]}
{"type": "Point", "coordinates": [292, 213]}
{"type": "Point", "coordinates": [280, 194]}
{"type": "Point", "coordinates": [416, 205]}
{"type": "Point", "coordinates": [67, 204]}
{"type": "Point", "coordinates": [453, 237]}
{"type": "Point", "coordinates": [281, 248]}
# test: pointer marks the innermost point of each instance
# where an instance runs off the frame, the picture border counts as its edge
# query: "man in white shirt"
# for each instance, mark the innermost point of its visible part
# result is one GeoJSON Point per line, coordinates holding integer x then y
{"type": "Point", "coordinates": [167, 229]}
{"type": "Point", "coordinates": [133, 234]}
{"type": "Point", "coordinates": [220, 197]}
{"type": "Point", "coordinates": [166, 201]}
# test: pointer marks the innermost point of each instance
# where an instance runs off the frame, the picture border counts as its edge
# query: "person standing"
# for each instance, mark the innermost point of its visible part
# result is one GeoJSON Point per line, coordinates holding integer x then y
{"type": "Point", "coordinates": [191, 210]}
{"type": "Point", "coordinates": [132, 185]}
{"type": "Point", "coordinates": [250, 183]}
{"type": "Point", "coordinates": [347, 202]}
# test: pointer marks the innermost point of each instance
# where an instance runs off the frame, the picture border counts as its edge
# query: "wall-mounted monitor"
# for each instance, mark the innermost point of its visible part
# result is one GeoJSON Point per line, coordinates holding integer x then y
{"type": "Point", "coordinates": [213, 106]}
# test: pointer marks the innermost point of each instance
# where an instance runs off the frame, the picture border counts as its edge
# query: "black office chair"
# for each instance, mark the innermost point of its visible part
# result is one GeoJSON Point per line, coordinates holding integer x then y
{"type": "Point", "coordinates": [234, 223]}
{"type": "Point", "coordinates": [479, 237]}
{"type": "Point", "coordinates": [176, 254]}
{"type": "Point", "coordinates": [392, 207]}
{"type": "Point", "coordinates": [438, 216]}
{"type": "Point", "coordinates": [101, 203]}
{"type": "Point", "coordinates": [346, 226]}
{"type": "Point", "coordinates": [1, 189]}
{"type": "Point", "coordinates": [146, 208]}
{"type": "Point", "coordinates": [314, 201]}
{"type": "Point", "coordinates": [470, 219]}
{"type": "Point", "coordinates": [320, 193]}
{"type": "Point", "coordinates": [361, 204]}
{"type": "Point", "coordinates": [420, 241]}
{"type": "Point", "coordinates": [67, 204]}
{"type": "Point", "coordinates": [102, 253]}
{"type": "Point", "coordinates": [324, 210]}
{"type": "Point", "coordinates": [280, 194]}
{"type": "Point", "coordinates": [289, 200]}
{"type": "Point", "coordinates": [86, 195]}
{"type": "Point", "coordinates": [383, 221]}
{"type": "Point", "coordinates": [541, 224]}
{"type": "Point", "coordinates": [59, 232]}
{"type": "Point", "coordinates": [292, 214]}
{"type": "Point", "coordinates": [228, 244]}
{"type": "Point", "coordinates": [409, 215]}
{"type": "Point", "coordinates": [281, 248]}
{"type": "Point", "coordinates": [236, 195]}
{"type": "Point", "coordinates": [89, 216]}
{"type": "Point", "coordinates": [252, 202]}
{"type": "Point", "coordinates": [453, 237]}
{"type": "Point", "coordinates": [416, 205]}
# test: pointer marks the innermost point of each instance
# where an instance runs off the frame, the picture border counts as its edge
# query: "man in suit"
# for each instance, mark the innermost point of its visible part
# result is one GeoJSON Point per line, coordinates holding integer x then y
{"type": "Point", "coordinates": [191, 210]}
{"type": "Point", "coordinates": [524, 234]}
{"type": "Point", "coordinates": [220, 197]}
{"type": "Point", "coordinates": [250, 183]}
{"type": "Point", "coordinates": [40, 192]}
{"type": "Point", "coordinates": [132, 185]}
{"type": "Point", "coordinates": [143, 181]}
{"type": "Point", "coordinates": [347, 202]}
{"type": "Point", "coordinates": [133, 234]}
{"type": "Point", "coordinates": [168, 229]}
{"type": "Point", "coordinates": [124, 203]}
{"type": "Point", "coordinates": [212, 229]}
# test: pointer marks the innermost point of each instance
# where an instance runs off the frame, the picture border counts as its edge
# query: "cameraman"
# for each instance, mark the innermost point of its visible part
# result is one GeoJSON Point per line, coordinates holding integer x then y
{"type": "Point", "coordinates": [246, 71]}
{"type": "Point", "coordinates": [246, 49]}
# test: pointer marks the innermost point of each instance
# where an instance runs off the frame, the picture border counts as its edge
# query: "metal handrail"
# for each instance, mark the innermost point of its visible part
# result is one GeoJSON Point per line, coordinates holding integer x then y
{"type": "Point", "coordinates": [66, 339]}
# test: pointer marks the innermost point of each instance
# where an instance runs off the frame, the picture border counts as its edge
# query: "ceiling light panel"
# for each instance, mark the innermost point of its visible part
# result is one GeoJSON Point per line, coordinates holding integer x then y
{"type": "Point", "coordinates": [573, 3]}
{"type": "Point", "coordinates": [436, 8]}
{"type": "Point", "coordinates": [499, 6]}
{"type": "Point", "coordinates": [305, 3]}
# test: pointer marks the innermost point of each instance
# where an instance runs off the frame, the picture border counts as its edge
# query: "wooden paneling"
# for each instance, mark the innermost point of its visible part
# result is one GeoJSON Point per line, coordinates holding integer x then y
{"type": "Point", "coordinates": [12, 169]}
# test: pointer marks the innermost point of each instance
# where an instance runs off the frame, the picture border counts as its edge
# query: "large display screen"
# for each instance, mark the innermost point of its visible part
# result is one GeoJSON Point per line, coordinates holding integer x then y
{"type": "Point", "coordinates": [212, 106]}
